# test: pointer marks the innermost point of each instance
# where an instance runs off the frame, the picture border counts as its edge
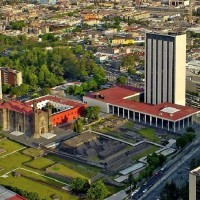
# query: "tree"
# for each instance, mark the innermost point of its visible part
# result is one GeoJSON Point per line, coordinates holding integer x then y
{"type": "Point", "coordinates": [78, 125]}
{"type": "Point", "coordinates": [190, 130]}
{"type": "Point", "coordinates": [97, 191]}
{"type": "Point", "coordinates": [6, 88]}
{"type": "Point", "coordinates": [17, 25]}
{"type": "Point", "coordinates": [131, 181]}
{"type": "Point", "coordinates": [80, 185]}
{"type": "Point", "coordinates": [170, 191]}
{"type": "Point", "coordinates": [122, 80]}
{"type": "Point", "coordinates": [91, 113]}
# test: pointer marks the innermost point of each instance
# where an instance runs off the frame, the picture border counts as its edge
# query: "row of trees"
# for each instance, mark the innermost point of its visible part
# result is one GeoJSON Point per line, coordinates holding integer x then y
{"type": "Point", "coordinates": [153, 161]}
{"type": "Point", "coordinates": [95, 191]}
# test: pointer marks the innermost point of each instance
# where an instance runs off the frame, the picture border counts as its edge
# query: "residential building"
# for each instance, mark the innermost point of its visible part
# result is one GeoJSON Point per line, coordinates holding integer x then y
{"type": "Point", "coordinates": [10, 76]}
{"type": "Point", "coordinates": [194, 184]}
{"type": "Point", "coordinates": [165, 71]}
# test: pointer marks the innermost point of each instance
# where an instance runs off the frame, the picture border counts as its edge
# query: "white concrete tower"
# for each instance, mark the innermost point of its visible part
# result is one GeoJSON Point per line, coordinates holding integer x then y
{"type": "Point", "coordinates": [165, 71]}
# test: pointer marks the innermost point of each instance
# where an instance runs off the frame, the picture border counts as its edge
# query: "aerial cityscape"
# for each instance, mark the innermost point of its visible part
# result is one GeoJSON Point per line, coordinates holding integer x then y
{"type": "Point", "coordinates": [99, 100]}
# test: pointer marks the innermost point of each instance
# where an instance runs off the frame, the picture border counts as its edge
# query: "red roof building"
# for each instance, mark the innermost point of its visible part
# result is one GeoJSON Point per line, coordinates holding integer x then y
{"type": "Point", "coordinates": [122, 101]}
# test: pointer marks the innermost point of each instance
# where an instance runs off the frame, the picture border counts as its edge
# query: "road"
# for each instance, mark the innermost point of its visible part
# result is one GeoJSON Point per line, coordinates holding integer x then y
{"type": "Point", "coordinates": [177, 170]}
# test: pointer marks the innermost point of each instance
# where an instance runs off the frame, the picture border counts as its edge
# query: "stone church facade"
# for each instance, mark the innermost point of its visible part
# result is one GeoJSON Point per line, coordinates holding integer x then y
{"type": "Point", "coordinates": [17, 116]}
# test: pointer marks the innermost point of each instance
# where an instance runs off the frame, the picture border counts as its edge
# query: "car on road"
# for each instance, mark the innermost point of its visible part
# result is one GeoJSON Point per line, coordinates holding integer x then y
{"type": "Point", "coordinates": [145, 190]}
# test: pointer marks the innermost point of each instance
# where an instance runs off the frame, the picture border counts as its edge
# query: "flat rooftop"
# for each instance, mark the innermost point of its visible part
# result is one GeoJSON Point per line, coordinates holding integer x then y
{"type": "Point", "coordinates": [119, 96]}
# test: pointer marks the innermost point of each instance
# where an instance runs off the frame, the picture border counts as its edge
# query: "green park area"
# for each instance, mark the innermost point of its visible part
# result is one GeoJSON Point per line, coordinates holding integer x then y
{"type": "Point", "coordinates": [149, 134]}
{"type": "Point", "coordinates": [65, 171]}
{"type": "Point", "coordinates": [40, 163]}
{"type": "Point", "coordinates": [31, 176]}
{"type": "Point", "coordinates": [73, 169]}
{"type": "Point", "coordinates": [9, 146]}
{"type": "Point", "coordinates": [33, 152]}
{"type": "Point", "coordinates": [146, 152]}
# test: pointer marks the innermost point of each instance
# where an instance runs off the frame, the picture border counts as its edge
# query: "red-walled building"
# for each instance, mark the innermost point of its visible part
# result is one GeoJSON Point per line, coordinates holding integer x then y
{"type": "Point", "coordinates": [65, 110]}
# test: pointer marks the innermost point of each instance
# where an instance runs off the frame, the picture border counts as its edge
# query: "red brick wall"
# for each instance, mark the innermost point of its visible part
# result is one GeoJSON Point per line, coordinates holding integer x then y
{"type": "Point", "coordinates": [67, 116]}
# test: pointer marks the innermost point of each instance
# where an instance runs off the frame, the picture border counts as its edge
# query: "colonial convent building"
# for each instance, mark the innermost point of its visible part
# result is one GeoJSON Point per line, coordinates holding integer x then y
{"type": "Point", "coordinates": [38, 116]}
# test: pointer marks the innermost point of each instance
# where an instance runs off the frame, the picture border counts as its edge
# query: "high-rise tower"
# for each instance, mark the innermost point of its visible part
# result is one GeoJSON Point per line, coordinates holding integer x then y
{"type": "Point", "coordinates": [165, 61]}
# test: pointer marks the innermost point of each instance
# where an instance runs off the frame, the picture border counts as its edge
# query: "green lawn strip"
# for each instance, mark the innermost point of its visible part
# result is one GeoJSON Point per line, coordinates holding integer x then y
{"type": "Point", "coordinates": [12, 162]}
{"type": "Point", "coordinates": [149, 133]}
{"type": "Point", "coordinates": [146, 152]}
{"type": "Point", "coordinates": [9, 146]}
{"type": "Point", "coordinates": [41, 176]}
{"type": "Point", "coordinates": [40, 163]}
{"type": "Point", "coordinates": [65, 171]}
{"type": "Point", "coordinates": [33, 152]}
{"type": "Point", "coordinates": [83, 170]}
{"type": "Point", "coordinates": [42, 190]}
{"type": "Point", "coordinates": [129, 125]}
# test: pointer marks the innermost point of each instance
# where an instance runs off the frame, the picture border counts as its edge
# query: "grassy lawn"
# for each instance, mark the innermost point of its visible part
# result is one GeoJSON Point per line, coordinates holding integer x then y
{"type": "Point", "coordinates": [40, 178]}
{"type": "Point", "coordinates": [149, 133]}
{"type": "Point", "coordinates": [31, 186]}
{"type": "Point", "coordinates": [76, 169]}
{"type": "Point", "coordinates": [40, 163]}
{"type": "Point", "coordinates": [65, 171]}
{"type": "Point", "coordinates": [12, 162]}
{"type": "Point", "coordinates": [33, 152]}
{"type": "Point", "coordinates": [148, 151]}
{"type": "Point", "coordinates": [129, 125]}
{"type": "Point", "coordinates": [16, 160]}
{"type": "Point", "coordinates": [9, 146]}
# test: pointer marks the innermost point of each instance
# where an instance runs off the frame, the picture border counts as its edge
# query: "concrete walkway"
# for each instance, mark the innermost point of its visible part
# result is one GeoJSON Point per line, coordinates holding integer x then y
{"type": "Point", "coordinates": [118, 196]}
{"type": "Point", "coordinates": [129, 143]}
{"type": "Point", "coordinates": [12, 152]}
{"type": "Point", "coordinates": [34, 173]}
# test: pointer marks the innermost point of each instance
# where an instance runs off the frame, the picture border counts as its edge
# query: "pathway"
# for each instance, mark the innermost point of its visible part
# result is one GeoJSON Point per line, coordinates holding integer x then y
{"type": "Point", "coordinates": [129, 143]}
{"type": "Point", "coordinates": [12, 152]}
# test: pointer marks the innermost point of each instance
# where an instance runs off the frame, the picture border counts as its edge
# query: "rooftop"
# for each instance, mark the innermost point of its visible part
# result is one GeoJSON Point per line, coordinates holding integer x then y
{"type": "Point", "coordinates": [56, 99]}
{"type": "Point", "coordinates": [119, 96]}
{"type": "Point", "coordinates": [16, 106]}
{"type": "Point", "coordinates": [6, 194]}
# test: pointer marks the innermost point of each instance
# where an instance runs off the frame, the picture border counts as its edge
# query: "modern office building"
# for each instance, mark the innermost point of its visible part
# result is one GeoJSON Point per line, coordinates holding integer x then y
{"type": "Point", "coordinates": [165, 72]}
{"type": "Point", "coordinates": [194, 184]}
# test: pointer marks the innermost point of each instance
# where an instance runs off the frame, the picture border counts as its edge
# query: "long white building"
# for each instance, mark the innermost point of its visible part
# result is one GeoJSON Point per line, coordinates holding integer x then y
{"type": "Point", "coordinates": [123, 101]}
